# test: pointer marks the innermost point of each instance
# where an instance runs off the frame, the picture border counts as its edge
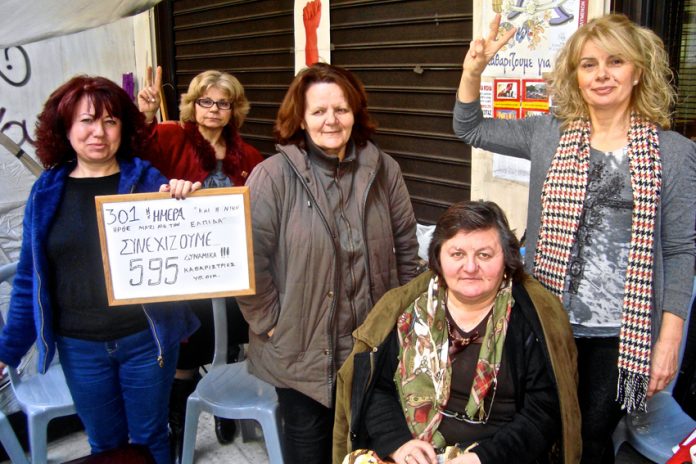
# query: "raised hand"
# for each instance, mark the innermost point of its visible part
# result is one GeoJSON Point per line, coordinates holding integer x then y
{"type": "Point", "coordinates": [482, 49]}
{"type": "Point", "coordinates": [149, 97]}
{"type": "Point", "coordinates": [480, 53]}
{"type": "Point", "coordinates": [311, 16]}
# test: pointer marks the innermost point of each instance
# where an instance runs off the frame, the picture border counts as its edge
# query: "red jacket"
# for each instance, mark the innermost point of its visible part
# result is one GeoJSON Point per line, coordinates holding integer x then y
{"type": "Point", "coordinates": [181, 152]}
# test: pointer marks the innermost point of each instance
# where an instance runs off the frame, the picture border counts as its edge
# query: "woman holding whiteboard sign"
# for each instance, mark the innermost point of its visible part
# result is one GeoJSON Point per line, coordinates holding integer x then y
{"type": "Point", "coordinates": [203, 145]}
{"type": "Point", "coordinates": [118, 361]}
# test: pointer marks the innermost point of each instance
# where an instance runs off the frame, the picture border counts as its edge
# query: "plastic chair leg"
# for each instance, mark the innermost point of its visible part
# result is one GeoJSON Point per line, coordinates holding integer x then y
{"type": "Point", "coordinates": [270, 424]}
{"type": "Point", "coordinates": [37, 438]}
{"type": "Point", "coordinates": [9, 441]}
{"type": "Point", "coordinates": [193, 411]}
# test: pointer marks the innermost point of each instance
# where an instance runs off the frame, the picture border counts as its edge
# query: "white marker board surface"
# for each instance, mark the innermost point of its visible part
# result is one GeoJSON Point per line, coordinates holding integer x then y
{"type": "Point", "coordinates": [156, 248]}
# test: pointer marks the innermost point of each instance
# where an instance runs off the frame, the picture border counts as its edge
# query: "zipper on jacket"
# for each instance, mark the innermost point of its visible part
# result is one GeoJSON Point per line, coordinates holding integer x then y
{"type": "Point", "coordinates": [353, 284]}
{"type": "Point", "coordinates": [43, 368]}
{"type": "Point", "coordinates": [41, 309]}
{"type": "Point", "coordinates": [332, 368]}
{"type": "Point", "coordinates": [373, 176]}
{"type": "Point", "coordinates": [372, 366]}
{"type": "Point", "coordinates": [160, 356]}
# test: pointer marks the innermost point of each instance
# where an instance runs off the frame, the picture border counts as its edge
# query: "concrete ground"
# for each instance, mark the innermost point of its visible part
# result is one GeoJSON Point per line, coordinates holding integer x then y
{"type": "Point", "coordinates": [208, 451]}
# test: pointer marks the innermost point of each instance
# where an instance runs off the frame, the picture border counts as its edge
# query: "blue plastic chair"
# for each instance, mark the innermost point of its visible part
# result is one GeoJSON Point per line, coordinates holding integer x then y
{"type": "Point", "coordinates": [7, 436]}
{"type": "Point", "coordinates": [10, 443]}
{"type": "Point", "coordinates": [41, 397]}
{"type": "Point", "coordinates": [231, 392]}
{"type": "Point", "coordinates": [654, 433]}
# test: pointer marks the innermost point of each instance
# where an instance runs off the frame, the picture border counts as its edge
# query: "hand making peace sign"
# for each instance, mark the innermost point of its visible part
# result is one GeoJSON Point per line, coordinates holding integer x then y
{"type": "Point", "coordinates": [481, 51]}
{"type": "Point", "coordinates": [149, 97]}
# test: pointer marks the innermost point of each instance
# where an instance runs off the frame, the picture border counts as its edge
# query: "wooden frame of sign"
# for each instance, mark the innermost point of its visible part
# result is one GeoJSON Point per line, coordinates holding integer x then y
{"type": "Point", "coordinates": [156, 248]}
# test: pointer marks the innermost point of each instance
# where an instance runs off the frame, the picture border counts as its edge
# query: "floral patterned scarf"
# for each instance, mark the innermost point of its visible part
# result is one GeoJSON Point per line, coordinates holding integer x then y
{"type": "Point", "coordinates": [424, 372]}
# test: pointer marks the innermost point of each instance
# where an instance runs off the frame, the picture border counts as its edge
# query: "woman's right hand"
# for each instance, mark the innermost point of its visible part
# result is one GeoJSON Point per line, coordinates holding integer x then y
{"type": "Point", "coordinates": [415, 452]}
{"type": "Point", "coordinates": [149, 97]}
{"type": "Point", "coordinates": [481, 51]}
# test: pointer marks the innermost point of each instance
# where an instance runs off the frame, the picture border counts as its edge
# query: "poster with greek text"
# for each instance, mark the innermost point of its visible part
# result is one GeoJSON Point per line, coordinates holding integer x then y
{"type": "Point", "coordinates": [542, 29]}
{"type": "Point", "coordinates": [156, 248]}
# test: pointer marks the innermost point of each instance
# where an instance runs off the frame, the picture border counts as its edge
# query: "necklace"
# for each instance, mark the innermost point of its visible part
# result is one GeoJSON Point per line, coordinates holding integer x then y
{"type": "Point", "coordinates": [457, 342]}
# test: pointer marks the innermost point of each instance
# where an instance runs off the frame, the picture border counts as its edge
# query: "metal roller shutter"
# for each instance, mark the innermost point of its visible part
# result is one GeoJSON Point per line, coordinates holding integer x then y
{"type": "Point", "coordinates": [408, 53]}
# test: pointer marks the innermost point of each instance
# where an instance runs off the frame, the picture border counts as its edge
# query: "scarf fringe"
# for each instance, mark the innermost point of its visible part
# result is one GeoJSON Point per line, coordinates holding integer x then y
{"type": "Point", "coordinates": [632, 391]}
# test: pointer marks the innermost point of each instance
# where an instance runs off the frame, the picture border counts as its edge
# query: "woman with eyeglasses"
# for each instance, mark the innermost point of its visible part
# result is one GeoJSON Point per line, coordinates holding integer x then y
{"type": "Point", "coordinates": [471, 362]}
{"type": "Point", "coordinates": [204, 145]}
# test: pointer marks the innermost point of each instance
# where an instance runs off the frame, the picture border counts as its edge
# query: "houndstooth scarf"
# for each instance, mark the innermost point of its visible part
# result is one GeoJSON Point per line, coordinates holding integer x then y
{"type": "Point", "coordinates": [562, 201]}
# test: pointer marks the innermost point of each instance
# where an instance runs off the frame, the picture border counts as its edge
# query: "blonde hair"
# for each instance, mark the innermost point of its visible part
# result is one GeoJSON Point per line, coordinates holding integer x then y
{"type": "Point", "coordinates": [221, 80]}
{"type": "Point", "coordinates": [653, 97]}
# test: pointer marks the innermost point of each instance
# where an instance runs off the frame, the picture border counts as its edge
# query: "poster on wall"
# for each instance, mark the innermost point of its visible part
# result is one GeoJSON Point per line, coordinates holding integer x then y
{"type": "Point", "coordinates": [312, 34]}
{"type": "Point", "coordinates": [514, 75]}
{"type": "Point", "coordinates": [542, 29]}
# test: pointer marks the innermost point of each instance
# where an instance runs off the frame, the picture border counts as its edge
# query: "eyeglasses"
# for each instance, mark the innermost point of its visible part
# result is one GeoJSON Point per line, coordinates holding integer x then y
{"type": "Point", "coordinates": [209, 102]}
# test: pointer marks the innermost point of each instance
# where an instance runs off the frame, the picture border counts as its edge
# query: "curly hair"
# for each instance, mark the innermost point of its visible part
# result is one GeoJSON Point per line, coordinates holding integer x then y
{"type": "Point", "coordinates": [223, 81]}
{"type": "Point", "coordinates": [653, 97]}
{"type": "Point", "coordinates": [288, 125]}
{"type": "Point", "coordinates": [468, 216]}
{"type": "Point", "coordinates": [56, 119]}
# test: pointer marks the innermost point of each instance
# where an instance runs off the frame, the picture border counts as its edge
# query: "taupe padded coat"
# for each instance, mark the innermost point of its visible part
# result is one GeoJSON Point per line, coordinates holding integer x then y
{"type": "Point", "coordinates": [297, 271]}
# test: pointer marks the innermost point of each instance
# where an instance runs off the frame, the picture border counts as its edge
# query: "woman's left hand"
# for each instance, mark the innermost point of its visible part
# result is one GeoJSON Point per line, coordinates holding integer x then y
{"type": "Point", "coordinates": [664, 361]}
{"type": "Point", "coordinates": [466, 458]}
{"type": "Point", "coordinates": [179, 188]}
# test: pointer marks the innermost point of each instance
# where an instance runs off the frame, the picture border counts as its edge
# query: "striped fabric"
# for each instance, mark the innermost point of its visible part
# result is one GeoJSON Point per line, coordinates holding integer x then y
{"type": "Point", "coordinates": [562, 201]}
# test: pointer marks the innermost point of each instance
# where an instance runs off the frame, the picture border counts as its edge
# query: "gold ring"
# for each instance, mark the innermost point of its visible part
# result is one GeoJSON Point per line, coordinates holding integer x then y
{"type": "Point", "coordinates": [407, 458]}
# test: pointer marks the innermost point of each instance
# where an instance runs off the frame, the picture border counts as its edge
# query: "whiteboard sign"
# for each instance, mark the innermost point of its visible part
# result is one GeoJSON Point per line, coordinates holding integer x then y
{"type": "Point", "coordinates": [156, 248]}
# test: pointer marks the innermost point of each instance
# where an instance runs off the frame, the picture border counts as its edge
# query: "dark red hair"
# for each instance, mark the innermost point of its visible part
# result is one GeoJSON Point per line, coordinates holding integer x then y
{"type": "Point", "coordinates": [56, 119]}
{"type": "Point", "coordinates": [288, 125]}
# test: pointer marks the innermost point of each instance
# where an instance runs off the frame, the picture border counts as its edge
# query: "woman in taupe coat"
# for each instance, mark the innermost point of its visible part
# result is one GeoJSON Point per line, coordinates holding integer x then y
{"type": "Point", "coordinates": [333, 230]}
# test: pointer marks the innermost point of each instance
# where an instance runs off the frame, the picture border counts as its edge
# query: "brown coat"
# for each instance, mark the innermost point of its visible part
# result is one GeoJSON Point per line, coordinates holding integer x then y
{"type": "Point", "coordinates": [559, 341]}
{"type": "Point", "coordinates": [296, 267]}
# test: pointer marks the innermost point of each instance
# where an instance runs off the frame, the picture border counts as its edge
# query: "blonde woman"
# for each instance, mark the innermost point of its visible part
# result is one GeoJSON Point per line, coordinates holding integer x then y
{"type": "Point", "coordinates": [204, 145]}
{"type": "Point", "coordinates": [610, 225]}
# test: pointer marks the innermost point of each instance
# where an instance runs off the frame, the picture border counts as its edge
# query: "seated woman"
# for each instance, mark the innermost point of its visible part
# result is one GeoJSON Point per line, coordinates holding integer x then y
{"type": "Point", "coordinates": [471, 362]}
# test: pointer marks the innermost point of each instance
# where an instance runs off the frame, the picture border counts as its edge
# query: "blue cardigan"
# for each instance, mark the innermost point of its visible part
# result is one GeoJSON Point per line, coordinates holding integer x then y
{"type": "Point", "coordinates": [30, 317]}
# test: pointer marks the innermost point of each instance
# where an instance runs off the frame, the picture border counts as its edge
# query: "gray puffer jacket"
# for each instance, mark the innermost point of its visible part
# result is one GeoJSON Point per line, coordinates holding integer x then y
{"type": "Point", "coordinates": [296, 266]}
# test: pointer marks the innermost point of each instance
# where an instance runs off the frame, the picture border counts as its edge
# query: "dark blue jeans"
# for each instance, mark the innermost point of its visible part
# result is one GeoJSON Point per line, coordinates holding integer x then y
{"type": "Point", "coordinates": [307, 428]}
{"type": "Point", "coordinates": [120, 390]}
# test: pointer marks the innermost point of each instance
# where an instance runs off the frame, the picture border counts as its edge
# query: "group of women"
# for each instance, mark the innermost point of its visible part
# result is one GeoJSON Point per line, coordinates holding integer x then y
{"type": "Point", "coordinates": [473, 361]}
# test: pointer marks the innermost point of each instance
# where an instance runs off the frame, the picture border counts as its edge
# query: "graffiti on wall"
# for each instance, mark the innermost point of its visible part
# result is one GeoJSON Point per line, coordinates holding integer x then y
{"type": "Point", "coordinates": [15, 70]}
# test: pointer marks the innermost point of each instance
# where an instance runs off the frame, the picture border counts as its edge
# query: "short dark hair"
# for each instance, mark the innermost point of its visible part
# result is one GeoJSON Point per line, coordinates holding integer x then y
{"type": "Point", "coordinates": [476, 215]}
{"type": "Point", "coordinates": [54, 122]}
{"type": "Point", "coordinates": [288, 125]}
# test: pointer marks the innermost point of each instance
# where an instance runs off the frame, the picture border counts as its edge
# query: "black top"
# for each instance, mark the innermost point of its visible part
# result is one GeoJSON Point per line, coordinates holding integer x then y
{"type": "Point", "coordinates": [379, 424]}
{"type": "Point", "coordinates": [77, 283]}
{"type": "Point", "coordinates": [501, 398]}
